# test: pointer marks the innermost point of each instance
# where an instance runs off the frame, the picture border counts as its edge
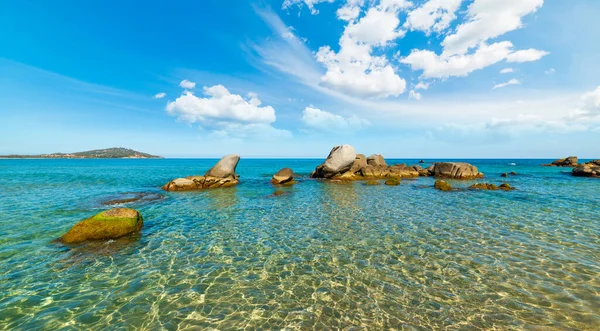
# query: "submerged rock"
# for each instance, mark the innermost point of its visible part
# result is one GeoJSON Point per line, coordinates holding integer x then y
{"type": "Point", "coordinates": [110, 224]}
{"type": "Point", "coordinates": [372, 182]}
{"type": "Point", "coordinates": [283, 176]}
{"type": "Point", "coordinates": [570, 161]}
{"type": "Point", "coordinates": [220, 176]}
{"type": "Point", "coordinates": [339, 160]}
{"type": "Point", "coordinates": [491, 187]}
{"type": "Point", "coordinates": [456, 170]}
{"type": "Point", "coordinates": [392, 182]}
{"type": "Point", "coordinates": [442, 185]}
{"type": "Point", "coordinates": [131, 197]}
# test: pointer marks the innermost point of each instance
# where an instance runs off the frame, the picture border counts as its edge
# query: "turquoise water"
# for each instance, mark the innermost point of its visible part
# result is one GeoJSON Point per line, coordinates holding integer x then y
{"type": "Point", "coordinates": [321, 256]}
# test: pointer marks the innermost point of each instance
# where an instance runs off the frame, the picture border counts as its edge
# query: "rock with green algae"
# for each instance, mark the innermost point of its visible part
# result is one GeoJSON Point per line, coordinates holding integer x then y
{"type": "Point", "coordinates": [392, 182]}
{"type": "Point", "coordinates": [442, 185]}
{"type": "Point", "coordinates": [372, 182]}
{"type": "Point", "coordinates": [491, 187]}
{"type": "Point", "coordinates": [110, 224]}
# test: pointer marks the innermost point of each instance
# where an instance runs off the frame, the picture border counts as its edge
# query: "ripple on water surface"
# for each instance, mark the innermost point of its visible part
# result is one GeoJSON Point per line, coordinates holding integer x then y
{"type": "Point", "coordinates": [320, 256]}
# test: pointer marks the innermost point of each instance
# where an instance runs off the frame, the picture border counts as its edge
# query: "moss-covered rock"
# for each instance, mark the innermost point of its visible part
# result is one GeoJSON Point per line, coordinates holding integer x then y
{"type": "Point", "coordinates": [372, 182]}
{"type": "Point", "coordinates": [110, 224]}
{"type": "Point", "coordinates": [392, 182]}
{"type": "Point", "coordinates": [442, 185]}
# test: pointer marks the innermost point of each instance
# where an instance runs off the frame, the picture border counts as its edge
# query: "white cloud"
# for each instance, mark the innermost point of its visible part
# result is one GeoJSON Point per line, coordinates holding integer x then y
{"type": "Point", "coordinates": [414, 95]}
{"type": "Point", "coordinates": [422, 86]}
{"type": "Point", "coordinates": [186, 84]}
{"type": "Point", "coordinates": [222, 111]}
{"type": "Point", "coordinates": [549, 71]}
{"type": "Point", "coordinates": [527, 55]}
{"type": "Point", "coordinates": [159, 95]}
{"type": "Point", "coordinates": [309, 3]}
{"type": "Point", "coordinates": [510, 82]}
{"type": "Point", "coordinates": [590, 105]}
{"type": "Point", "coordinates": [507, 70]}
{"type": "Point", "coordinates": [326, 121]}
{"type": "Point", "coordinates": [488, 19]}
{"type": "Point", "coordinates": [432, 16]}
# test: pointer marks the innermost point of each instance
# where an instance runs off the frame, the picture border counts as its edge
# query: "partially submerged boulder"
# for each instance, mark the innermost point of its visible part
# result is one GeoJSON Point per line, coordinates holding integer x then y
{"type": "Point", "coordinates": [571, 161]}
{"type": "Point", "coordinates": [442, 185]}
{"type": "Point", "coordinates": [110, 224]}
{"type": "Point", "coordinates": [456, 170]}
{"type": "Point", "coordinates": [340, 159]}
{"type": "Point", "coordinates": [283, 176]}
{"type": "Point", "coordinates": [392, 182]}
{"type": "Point", "coordinates": [220, 176]}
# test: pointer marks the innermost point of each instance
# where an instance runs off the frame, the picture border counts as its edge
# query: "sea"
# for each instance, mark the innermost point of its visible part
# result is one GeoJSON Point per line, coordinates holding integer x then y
{"type": "Point", "coordinates": [319, 256]}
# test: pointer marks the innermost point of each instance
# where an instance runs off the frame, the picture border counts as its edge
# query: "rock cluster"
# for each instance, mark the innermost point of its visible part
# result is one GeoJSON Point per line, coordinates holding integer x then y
{"type": "Point", "coordinates": [110, 224]}
{"type": "Point", "coordinates": [590, 169]}
{"type": "Point", "coordinates": [284, 176]}
{"type": "Point", "coordinates": [220, 176]}
{"type": "Point", "coordinates": [571, 161]}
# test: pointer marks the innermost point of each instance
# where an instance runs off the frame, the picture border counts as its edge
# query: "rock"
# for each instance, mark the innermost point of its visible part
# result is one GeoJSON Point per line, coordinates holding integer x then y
{"type": "Point", "coordinates": [594, 162]}
{"type": "Point", "coordinates": [376, 160]}
{"type": "Point", "coordinates": [110, 224]}
{"type": "Point", "coordinates": [570, 161]}
{"type": "Point", "coordinates": [512, 173]}
{"type": "Point", "coordinates": [442, 185]}
{"type": "Point", "coordinates": [422, 161]}
{"type": "Point", "coordinates": [225, 167]}
{"type": "Point", "coordinates": [401, 171]}
{"type": "Point", "coordinates": [587, 170]}
{"type": "Point", "coordinates": [417, 168]}
{"type": "Point", "coordinates": [504, 175]}
{"type": "Point", "coordinates": [427, 171]}
{"type": "Point", "coordinates": [456, 170]}
{"type": "Point", "coordinates": [283, 176]}
{"type": "Point", "coordinates": [278, 193]}
{"type": "Point", "coordinates": [138, 197]}
{"type": "Point", "coordinates": [372, 182]}
{"type": "Point", "coordinates": [392, 182]}
{"type": "Point", "coordinates": [220, 176]}
{"type": "Point", "coordinates": [340, 160]}
{"type": "Point", "coordinates": [491, 187]}
{"type": "Point", "coordinates": [359, 163]}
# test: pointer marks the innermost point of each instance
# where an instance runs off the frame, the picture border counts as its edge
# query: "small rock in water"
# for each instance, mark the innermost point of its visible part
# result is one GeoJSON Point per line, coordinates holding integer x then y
{"type": "Point", "coordinates": [392, 182]}
{"type": "Point", "coordinates": [284, 176]}
{"type": "Point", "coordinates": [110, 224]}
{"type": "Point", "coordinates": [504, 175]}
{"type": "Point", "coordinates": [372, 182]}
{"type": "Point", "coordinates": [442, 185]}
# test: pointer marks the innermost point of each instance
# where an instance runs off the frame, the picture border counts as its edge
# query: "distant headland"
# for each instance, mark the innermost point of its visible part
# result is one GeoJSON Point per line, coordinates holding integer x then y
{"type": "Point", "coordinates": [108, 153]}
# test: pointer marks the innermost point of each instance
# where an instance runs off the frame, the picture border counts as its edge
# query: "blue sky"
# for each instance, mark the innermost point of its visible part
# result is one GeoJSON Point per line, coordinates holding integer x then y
{"type": "Point", "coordinates": [292, 78]}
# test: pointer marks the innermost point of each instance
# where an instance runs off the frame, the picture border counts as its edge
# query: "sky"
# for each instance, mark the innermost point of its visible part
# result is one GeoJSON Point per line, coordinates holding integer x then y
{"type": "Point", "coordinates": [293, 78]}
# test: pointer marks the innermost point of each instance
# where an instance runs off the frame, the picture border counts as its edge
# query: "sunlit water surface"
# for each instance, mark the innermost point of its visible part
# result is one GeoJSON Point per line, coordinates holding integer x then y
{"type": "Point", "coordinates": [321, 256]}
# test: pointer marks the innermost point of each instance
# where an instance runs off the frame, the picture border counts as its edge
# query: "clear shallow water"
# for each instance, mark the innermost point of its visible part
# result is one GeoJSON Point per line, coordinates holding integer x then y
{"type": "Point", "coordinates": [322, 256]}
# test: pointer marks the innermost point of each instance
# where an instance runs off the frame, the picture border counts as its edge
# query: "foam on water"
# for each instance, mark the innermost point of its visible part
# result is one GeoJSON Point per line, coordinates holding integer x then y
{"type": "Point", "coordinates": [322, 256]}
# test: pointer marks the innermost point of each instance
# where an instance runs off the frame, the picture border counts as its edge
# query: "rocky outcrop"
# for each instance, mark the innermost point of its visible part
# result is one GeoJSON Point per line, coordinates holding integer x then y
{"type": "Point", "coordinates": [220, 176]}
{"type": "Point", "coordinates": [491, 187]}
{"type": "Point", "coordinates": [376, 160]}
{"type": "Point", "coordinates": [456, 170]}
{"type": "Point", "coordinates": [571, 161]}
{"type": "Point", "coordinates": [340, 160]}
{"type": "Point", "coordinates": [442, 185]}
{"type": "Point", "coordinates": [110, 224]}
{"type": "Point", "coordinates": [284, 176]}
{"type": "Point", "coordinates": [587, 170]}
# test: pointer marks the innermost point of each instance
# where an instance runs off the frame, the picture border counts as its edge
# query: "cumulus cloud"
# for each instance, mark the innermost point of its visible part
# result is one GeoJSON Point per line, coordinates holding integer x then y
{"type": "Point", "coordinates": [220, 110]}
{"type": "Point", "coordinates": [527, 55]}
{"type": "Point", "coordinates": [414, 95]}
{"type": "Point", "coordinates": [488, 19]}
{"type": "Point", "coordinates": [432, 16]}
{"type": "Point", "coordinates": [422, 86]}
{"type": "Point", "coordinates": [507, 70]}
{"type": "Point", "coordinates": [325, 121]}
{"type": "Point", "coordinates": [510, 82]}
{"type": "Point", "coordinates": [159, 95]}
{"type": "Point", "coordinates": [186, 84]}
{"type": "Point", "coordinates": [309, 3]}
{"type": "Point", "coordinates": [590, 107]}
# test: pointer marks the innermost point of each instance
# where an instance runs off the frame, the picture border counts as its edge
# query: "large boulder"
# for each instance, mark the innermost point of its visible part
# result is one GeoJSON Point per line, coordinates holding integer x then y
{"type": "Point", "coordinates": [456, 170]}
{"type": "Point", "coordinates": [359, 163]}
{"type": "Point", "coordinates": [225, 167]}
{"type": "Point", "coordinates": [283, 176]}
{"type": "Point", "coordinates": [220, 176]}
{"type": "Point", "coordinates": [571, 161]}
{"type": "Point", "coordinates": [376, 160]}
{"type": "Point", "coordinates": [110, 224]}
{"type": "Point", "coordinates": [340, 160]}
{"type": "Point", "coordinates": [587, 170]}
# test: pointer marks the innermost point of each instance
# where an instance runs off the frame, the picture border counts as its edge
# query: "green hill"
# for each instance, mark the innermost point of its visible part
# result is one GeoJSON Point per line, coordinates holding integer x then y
{"type": "Point", "coordinates": [108, 153]}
